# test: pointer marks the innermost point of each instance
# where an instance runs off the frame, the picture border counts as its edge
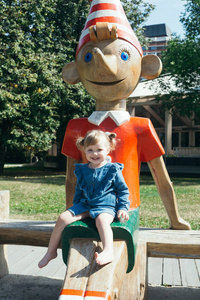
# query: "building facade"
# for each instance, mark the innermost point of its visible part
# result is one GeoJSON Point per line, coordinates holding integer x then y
{"type": "Point", "coordinates": [157, 37]}
{"type": "Point", "coordinates": [179, 135]}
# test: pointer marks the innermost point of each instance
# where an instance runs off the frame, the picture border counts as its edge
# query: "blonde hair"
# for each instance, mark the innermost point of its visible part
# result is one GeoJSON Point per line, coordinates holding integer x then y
{"type": "Point", "coordinates": [92, 137]}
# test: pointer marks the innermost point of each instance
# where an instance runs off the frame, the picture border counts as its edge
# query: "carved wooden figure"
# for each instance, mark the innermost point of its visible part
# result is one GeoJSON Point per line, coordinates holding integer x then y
{"type": "Point", "coordinates": [109, 63]}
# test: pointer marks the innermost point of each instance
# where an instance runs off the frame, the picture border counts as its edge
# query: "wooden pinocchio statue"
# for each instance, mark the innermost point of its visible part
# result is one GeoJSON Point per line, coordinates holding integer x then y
{"type": "Point", "coordinates": [109, 63]}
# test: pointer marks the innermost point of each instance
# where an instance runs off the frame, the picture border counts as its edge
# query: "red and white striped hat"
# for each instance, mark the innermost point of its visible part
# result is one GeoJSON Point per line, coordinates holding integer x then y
{"type": "Point", "coordinates": [110, 11]}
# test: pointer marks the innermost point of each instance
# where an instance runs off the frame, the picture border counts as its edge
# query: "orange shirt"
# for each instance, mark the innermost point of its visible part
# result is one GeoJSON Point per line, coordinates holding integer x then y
{"type": "Point", "coordinates": [138, 142]}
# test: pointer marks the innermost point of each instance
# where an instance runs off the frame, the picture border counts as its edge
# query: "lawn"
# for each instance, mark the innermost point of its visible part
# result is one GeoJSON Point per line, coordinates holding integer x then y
{"type": "Point", "coordinates": [41, 196]}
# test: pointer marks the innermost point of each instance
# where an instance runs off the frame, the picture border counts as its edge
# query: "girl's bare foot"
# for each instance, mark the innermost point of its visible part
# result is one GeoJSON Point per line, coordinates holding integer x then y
{"type": "Point", "coordinates": [46, 259]}
{"type": "Point", "coordinates": [103, 257]}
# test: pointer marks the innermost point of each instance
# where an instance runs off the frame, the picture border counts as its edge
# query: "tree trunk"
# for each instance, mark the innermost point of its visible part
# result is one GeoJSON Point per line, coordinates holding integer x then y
{"type": "Point", "coordinates": [2, 158]}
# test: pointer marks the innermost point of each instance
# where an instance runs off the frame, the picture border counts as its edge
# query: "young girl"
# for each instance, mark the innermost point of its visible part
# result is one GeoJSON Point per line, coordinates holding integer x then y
{"type": "Point", "coordinates": [101, 193]}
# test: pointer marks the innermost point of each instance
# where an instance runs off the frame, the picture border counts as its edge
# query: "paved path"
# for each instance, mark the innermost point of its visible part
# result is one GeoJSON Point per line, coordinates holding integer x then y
{"type": "Point", "coordinates": [23, 260]}
{"type": "Point", "coordinates": [168, 278]}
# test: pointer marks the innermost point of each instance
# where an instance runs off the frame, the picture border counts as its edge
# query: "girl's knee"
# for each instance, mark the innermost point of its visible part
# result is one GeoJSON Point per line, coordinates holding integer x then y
{"type": "Point", "coordinates": [103, 219]}
{"type": "Point", "coordinates": [65, 217]}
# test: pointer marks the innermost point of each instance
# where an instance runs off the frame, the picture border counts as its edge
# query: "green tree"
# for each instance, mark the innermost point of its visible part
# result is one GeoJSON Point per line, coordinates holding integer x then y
{"type": "Point", "coordinates": [182, 61]}
{"type": "Point", "coordinates": [37, 38]}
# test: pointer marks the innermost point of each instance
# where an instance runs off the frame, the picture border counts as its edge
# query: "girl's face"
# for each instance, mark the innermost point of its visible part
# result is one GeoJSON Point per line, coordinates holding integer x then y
{"type": "Point", "coordinates": [96, 154]}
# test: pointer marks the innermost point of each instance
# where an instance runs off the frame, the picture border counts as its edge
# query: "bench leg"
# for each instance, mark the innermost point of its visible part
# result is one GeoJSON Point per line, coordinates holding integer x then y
{"type": "Point", "coordinates": [3, 261]}
{"type": "Point", "coordinates": [135, 283]}
{"type": "Point", "coordinates": [4, 213]}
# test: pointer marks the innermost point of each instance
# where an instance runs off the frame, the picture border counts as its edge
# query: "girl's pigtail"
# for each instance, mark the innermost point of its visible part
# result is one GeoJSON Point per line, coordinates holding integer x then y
{"type": "Point", "coordinates": [80, 143]}
{"type": "Point", "coordinates": [112, 138]}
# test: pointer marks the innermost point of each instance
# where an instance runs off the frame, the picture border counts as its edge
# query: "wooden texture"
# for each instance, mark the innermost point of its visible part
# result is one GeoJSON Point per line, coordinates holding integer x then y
{"type": "Point", "coordinates": [135, 283]}
{"type": "Point", "coordinates": [151, 66]}
{"type": "Point", "coordinates": [4, 213]}
{"type": "Point", "coordinates": [4, 204]}
{"type": "Point", "coordinates": [166, 192]}
{"type": "Point", "coordinates": [81, 251]}
{"type": "Point", "coordinates": [70, 182]}
{"type": "Point", "coordinates": [102, 31]}
{"type": "Point", "coordinates": [23, 260]}
{"type": "Point", "coordinates": [155, 270]}
{"type": "Point", "coordinates": [160, 242]}
{"type": "Point", "coordinates": [22, 232]}
{"type": "Point", "coordinates": [87, 276]}
{"type": "Point", "coordinates": [171, 243]}
{"type": "Point", "coordinates": [3, 261]}
{"type": "Point", "coordinates": [189, 271]}
{"type": "Point", "coordinates": [171, 271]}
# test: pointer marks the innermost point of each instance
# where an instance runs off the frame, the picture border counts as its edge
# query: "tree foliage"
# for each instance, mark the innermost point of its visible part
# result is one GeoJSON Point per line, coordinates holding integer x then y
{"type": "Point", "coordinates": [37, 38]}
{"type": "Point", "coordinates": [182, 61]}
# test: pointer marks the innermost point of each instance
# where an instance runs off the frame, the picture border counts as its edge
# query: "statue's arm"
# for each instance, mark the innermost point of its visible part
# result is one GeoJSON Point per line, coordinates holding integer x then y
{"type": "Point", "coordinates": [166, 192]}
{"type": "Point", "coordinates": [70, 182]}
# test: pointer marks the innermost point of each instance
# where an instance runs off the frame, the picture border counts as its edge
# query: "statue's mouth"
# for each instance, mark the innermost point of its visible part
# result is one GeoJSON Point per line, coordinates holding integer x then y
{"type": "Point", "coordinates": [105, 83]}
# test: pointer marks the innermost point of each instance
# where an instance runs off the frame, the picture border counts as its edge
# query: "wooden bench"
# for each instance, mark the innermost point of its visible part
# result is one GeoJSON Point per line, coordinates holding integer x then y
{"type": "Point", "coordinates": [151, 243]}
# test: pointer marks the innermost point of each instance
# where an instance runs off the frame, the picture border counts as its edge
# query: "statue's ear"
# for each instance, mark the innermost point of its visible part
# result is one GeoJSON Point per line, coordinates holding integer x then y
{"type": "Point", "coordinates": [70, 73]}
{"type": "Point", "coordinates": [151, 66]}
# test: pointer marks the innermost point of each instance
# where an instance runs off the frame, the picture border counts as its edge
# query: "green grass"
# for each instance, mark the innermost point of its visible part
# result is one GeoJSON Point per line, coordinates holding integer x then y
{"type": "Point", "coordinates": [152, 211]}
{"type": "Point", "coordinates": [39, 195]}
{"type": "Point", "coordinates": [34, 194]}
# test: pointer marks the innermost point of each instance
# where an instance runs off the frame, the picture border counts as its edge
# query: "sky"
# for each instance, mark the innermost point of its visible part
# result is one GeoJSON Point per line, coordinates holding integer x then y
{"type": "Point", "coordinates": [168, 12]}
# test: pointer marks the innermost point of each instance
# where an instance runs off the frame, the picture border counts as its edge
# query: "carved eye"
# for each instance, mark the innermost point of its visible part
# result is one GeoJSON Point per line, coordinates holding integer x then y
{"type": "Point", "coordinates": [124, 56]}
{"type": "Point", "coordinates": [88, 57]}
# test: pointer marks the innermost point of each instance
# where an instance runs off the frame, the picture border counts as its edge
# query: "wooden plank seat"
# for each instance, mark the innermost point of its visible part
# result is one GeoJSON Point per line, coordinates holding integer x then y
{"type": "Point", "coordinates": [24, 232]}
{"type": "Point", "coordinates": [160, 242]}
{"type": "Point", "coordinates": [124, 231]}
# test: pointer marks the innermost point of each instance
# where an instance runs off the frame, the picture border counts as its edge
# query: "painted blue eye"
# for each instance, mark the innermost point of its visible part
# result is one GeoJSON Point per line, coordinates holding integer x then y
{"type": "Point", "coordinates": [88, 57]}
{"type": "Point", "coordinates": [124, 56]}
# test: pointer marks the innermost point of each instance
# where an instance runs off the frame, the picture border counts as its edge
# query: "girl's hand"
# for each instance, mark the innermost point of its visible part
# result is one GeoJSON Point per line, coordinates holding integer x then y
{"type": "Point", "coordinates": [122, 215]}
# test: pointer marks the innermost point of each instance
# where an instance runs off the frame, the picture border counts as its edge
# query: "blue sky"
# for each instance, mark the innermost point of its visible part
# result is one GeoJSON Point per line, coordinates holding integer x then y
{"type": "Point", "coordinates": [168, 12]}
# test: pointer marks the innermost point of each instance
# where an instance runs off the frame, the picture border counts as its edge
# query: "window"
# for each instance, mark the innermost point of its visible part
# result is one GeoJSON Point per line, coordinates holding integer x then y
{"type": "Point", "coordinates": [197, 139]}
{"type": "Point", "coordinates": [162, 138]}
{"type": "Point", "coordinates": [184, 139]}
{"type": "Point", "coordinates": [175, 139]}
{"type": "Point", "coordinates": [153, 48]}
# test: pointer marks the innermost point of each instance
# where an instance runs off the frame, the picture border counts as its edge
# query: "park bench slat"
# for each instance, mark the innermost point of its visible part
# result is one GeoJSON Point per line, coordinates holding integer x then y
{"type": "Point", "coordinates": [28, 255]}
{"type": "Point", "coordinates": [22, 232]}
{"type": "Point", "coordinates": [198, 267]}
{"type": "Point", "coordinates": [155, 266]}
{"type": "Point", "coordinates": [27, 266]}
{"type": "Point", "coordinates": [171, 272]}
{"type": "Point", "coordinates": [189, 273]}
{"type": "Point", "coordinates": [171, 243]}
{"type": "Point", "coordinates": [22, 254]}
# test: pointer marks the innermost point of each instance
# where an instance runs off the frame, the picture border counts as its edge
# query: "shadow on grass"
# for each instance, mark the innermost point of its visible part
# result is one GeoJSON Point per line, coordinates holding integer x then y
{"type": "Point", "coordinates": [177, 180]}
{"type": "Point", "coordinates": [33, 174]}
{"type": "Point", "coordinates": [39, 175]}
{"type": "Point", "coordinates": [42, 179]}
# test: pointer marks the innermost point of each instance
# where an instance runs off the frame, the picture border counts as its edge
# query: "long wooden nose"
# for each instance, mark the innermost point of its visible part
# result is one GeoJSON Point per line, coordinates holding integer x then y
{"type": "Point", "coordinates": [106, 64]}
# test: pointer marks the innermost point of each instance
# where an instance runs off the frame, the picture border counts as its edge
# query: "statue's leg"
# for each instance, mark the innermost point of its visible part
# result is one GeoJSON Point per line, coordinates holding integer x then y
{"type": "Point", "coordinates": [85, 279]}
{"type": "Point", "coordinates": [135, 283]}
{"type": "Point", "coordinates": [105, 281]}
{"type": "Point", "coordinates": [80, 258]}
